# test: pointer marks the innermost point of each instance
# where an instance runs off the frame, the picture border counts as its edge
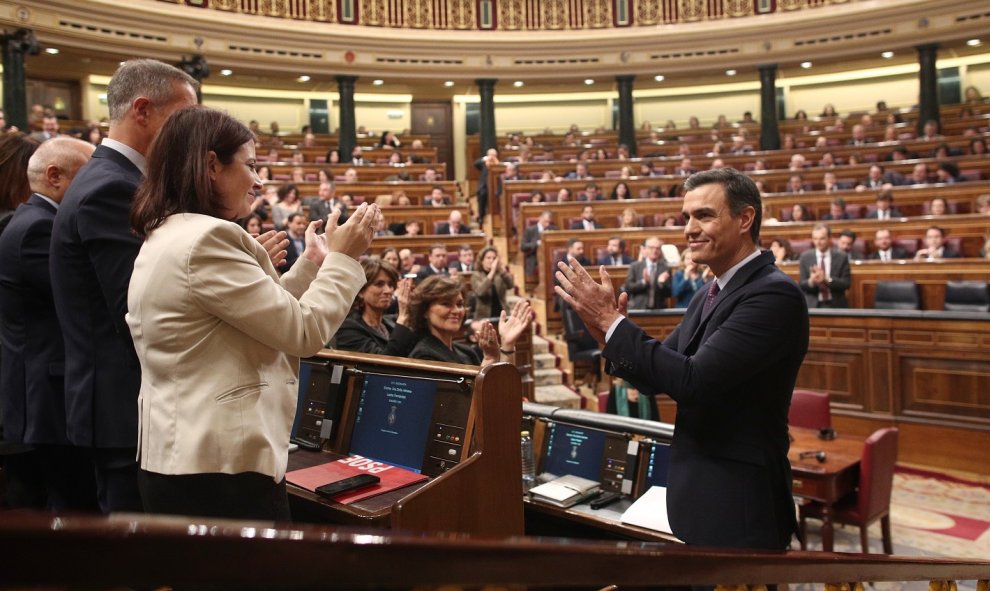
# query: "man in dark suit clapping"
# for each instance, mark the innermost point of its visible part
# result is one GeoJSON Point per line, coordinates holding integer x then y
{"type": "Point", "coordinates": [731, 366]}
{"type": "Point", "coordinates": [92, 256]}
{"type": "Point", "coordinates": [532, 237]}
{"type": "Point", "coordinates": [648, 281]}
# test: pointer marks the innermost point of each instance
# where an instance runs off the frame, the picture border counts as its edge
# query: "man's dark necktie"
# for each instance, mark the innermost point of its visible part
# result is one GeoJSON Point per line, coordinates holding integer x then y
{"type": "Point", "coordinates": [710, 298]}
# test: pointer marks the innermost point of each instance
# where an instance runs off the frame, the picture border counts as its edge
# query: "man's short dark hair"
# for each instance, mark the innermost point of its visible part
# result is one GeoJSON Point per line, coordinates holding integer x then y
{"type": "Point", "coordinates": [292, 217]}
{"type": "Point", "coordinates": [839, 201]}
{"type": "Point", "coordinates": [848, 234]}
{"type": "Point", "coordinates": [939, 228]}
{"type": "Point", "coordinates": [572, 241]}
{"type": "Point", "coordinates": [622, 241]}
{"type": "Point", "coordinates": [437, 245]}
{"type": "Point", "coordinates": [465, 247]}
{"type": "Point", "coordinates": [740, 192]}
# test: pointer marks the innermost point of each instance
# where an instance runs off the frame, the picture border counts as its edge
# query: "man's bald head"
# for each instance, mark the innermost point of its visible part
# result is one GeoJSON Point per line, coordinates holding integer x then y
{"type": "Point", "coordinates": [55, 163]}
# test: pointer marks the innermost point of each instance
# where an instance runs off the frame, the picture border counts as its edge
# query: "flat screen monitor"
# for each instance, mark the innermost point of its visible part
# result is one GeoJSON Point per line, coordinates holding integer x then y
{"type": "Point", "coordinates": [574, 450]}
{"type": "Point", "coordinates": [393, 417]}
{"type": "Point", "coordinates": [657, 463]}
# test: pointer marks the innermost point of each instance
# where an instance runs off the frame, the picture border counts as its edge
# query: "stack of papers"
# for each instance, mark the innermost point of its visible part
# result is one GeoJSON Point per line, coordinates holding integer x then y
{"type": "Point", "coordinates": [565, 491]}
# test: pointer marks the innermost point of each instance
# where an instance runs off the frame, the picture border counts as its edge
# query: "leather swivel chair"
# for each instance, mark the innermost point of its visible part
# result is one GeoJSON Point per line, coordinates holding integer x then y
{"type": "Point", "coordinates": [582, 348]}
{"type": "Point", "coordinates": [967, 296]}
{"type": "Point", "coordinates": [871, 500]}
{"type": "Point", "coordinates": [897, 295]}
{"type": "Point", "coordinates": [810, 410]}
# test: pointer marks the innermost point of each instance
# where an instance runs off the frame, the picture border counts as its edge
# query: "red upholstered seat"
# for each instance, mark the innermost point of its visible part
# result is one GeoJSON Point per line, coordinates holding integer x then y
{"type": "Point", "coordinates": [809, 409]}
{"type": "Point", "coordinates": [871, 501]}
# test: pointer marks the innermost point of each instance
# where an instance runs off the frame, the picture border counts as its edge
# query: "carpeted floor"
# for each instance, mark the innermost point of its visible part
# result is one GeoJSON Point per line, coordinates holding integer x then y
{"type": "Point", "coordinates": [932, 514]}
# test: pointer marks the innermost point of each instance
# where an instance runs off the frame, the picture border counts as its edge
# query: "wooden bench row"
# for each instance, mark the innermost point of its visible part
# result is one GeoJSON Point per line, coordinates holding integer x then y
{"type": "Point", "coordinates": [969, 231]}
{"type": "Point", "coordinates": [282, 171]}
{"type": "Point", "coordinates": [370, 191]}
{"type": "Point", "coordinates": [514, 192]}
{"type": "Point", "coordinates": [910, 200]}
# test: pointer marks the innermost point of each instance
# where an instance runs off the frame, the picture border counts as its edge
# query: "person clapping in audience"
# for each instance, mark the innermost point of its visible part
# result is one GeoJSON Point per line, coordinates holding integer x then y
{"type": "Point", "coordinates": [217, 331]}
{"type": "Point", "coordinates": [367, 329]}
{"type": "Point", "coordinates": [491, 284]}
{"type": "Point", "coordinates": [689, 279]}
{"type": "Point", "coordinates": [438, 311]}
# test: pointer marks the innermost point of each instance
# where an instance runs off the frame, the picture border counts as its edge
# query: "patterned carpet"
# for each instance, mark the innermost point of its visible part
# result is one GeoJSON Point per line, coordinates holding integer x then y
{"type": "Point", "coordinates": [932, 514]}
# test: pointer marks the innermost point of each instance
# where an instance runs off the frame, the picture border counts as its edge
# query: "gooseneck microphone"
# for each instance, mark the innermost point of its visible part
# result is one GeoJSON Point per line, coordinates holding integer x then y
{"type": "Point", "coordinates": [817, 454]}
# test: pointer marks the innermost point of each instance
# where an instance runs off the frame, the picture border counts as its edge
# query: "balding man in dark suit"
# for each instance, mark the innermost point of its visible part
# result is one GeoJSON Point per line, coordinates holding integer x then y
{"type": "Point", "coordinates": [32, 377]}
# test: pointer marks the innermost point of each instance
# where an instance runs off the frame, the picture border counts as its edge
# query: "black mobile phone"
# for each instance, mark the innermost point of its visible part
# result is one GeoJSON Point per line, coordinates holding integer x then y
{"type": "Point", "coordinates": [335, 488]}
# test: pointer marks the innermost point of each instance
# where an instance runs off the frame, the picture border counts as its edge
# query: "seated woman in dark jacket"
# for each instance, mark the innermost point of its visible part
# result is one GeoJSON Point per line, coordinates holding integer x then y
{"type": "Point", "coordinates": [438, 311]}
{"type": "Point", "coordinates": [367, 329]}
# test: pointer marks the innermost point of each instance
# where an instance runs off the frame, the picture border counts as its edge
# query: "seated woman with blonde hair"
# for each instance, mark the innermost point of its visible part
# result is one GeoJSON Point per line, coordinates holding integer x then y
{"type": "Point", "coordinates": [438, 311]}
{"type": "Point", "coordinates": [217, 331]}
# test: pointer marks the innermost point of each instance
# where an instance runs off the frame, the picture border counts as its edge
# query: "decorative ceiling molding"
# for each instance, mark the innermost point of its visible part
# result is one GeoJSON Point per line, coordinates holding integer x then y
{"type": "Point", "coordinates": [232, 39]}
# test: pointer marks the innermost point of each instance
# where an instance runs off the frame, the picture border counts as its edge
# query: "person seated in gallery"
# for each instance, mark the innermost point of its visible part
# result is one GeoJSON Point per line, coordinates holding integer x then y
{"type": "Point", "coordinates": [367, 329]}
{"type": "Point", "coordinates": [438, 310]}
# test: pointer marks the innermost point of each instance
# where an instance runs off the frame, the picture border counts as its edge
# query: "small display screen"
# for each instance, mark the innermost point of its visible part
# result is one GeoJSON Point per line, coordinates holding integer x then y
{"type": "Point", "coordinates": [657, 463]}
{"type": "Point", "coordinates": [574, 450]}
{"type": "Point", "coordinates": [393, 420]}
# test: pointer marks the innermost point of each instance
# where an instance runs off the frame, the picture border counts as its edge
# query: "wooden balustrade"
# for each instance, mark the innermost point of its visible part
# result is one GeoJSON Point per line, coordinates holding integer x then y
{"type": "Point", "coordinates": [147, 551]}
{"type": "Point", "coordinates": [924, 372]}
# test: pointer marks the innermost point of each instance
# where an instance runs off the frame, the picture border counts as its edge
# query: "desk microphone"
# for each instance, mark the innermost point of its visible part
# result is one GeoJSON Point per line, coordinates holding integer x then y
{"type": "Point", "coordinates": [817, 454]}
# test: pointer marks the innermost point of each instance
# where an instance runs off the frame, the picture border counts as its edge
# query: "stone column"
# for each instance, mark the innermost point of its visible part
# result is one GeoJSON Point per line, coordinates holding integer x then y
{"type": "Point", "coordinates": [627, 125]}
{"type": "Point", "coordinates": [486, 87]}
{"type": "Point", "coordinates": [15, 45]}
{"type": "Point", "coordinates": [347, 132]}
{"type": "Point", "coordinates": [928, 85]}
{"type": "Point", "coordinates": [769, 130]}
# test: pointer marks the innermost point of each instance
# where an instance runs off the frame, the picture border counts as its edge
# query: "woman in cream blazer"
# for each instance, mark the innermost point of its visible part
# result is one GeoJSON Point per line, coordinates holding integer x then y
{"type": "Point", "coordinates": [217, 331]}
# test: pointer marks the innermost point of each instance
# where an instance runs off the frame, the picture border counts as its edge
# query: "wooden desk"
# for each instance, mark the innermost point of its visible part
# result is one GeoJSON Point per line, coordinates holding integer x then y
{"type": "Point", "coordinates": [829, 481]}
{"type": "Point", "coordinates": [482, 405]}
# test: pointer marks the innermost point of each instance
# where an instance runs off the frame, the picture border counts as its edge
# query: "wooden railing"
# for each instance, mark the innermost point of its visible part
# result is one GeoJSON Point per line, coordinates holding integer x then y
{"type": "Point", "coordinates": [42, 551]}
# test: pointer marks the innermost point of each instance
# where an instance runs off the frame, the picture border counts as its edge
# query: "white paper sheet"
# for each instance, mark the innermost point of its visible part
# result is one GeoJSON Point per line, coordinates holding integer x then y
{"type": "Point", "coordinates": [649, 511]}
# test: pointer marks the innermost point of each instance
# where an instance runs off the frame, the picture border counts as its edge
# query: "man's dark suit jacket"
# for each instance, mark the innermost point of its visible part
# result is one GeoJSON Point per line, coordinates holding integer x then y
{"type": "Point", "coordinates": [731, 372]}
{"type": "Point", "coordinates": [320, 209]}
{"type": "Point", "coordinates": [32, 376]}
{"type": "Point", "coordinates": [607, 260]}
{"type": "Point", "coordinates": [292, 255]}
{"type": "Point", "coordinates": [896, 253]}
{"type": "Point", "coordinates": [444, 228]}
{"type": "Point", "coordinates": [92, 257]}
{"type": "Point", "coordinates": [639, 291]}
{"type": "Point", "coordinates": [839, 272]}
{"type": "Point", "coordinates": [530, 246]}
{"type": "Point", "coordinates": [579, 225]}
{"type": "Point", "coordinates": [894, 214]}
{"type": "Point", "coordinates": [426, 271]}
{"type": "Point", "coordinates": [355, 335]}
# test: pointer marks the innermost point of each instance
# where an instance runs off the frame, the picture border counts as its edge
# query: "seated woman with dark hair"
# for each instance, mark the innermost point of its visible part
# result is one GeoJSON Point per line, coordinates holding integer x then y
{"type": "Point", "coordinates": [438, 311]}
{"type": "Point", "coordinates": [367, 329]}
